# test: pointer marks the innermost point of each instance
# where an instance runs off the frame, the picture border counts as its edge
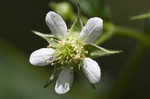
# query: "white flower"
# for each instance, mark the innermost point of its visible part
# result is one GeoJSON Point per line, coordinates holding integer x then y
{"type": "Point", "coordinates": [64, 81]}
{"type": "Point", "coordinates": [56, 24]}
{"type": "Point", "coordinates": [92, 30]}
{"type": "Point", "coordinates": [42, 57]}
{"type": "Point", "coordinates": [45, 56]}
{"type": "Point", "coordinates": [91, 70]}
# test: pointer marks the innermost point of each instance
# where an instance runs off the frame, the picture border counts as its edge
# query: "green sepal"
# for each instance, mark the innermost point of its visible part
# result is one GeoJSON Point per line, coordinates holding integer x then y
{"type": "Point", "coordinates": [51, 79]}
{"type": "Point", "coordinates": [53, 76]}
{"type": "Point", "coordinates": [51, 39]}
{"type": "Point", "coordinates": [97, 51]}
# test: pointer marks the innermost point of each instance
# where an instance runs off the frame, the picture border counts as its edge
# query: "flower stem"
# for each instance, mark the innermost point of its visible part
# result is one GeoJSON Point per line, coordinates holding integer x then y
{"type": "Point", "coordinates": [129, 70]}
{"type": "Point", "coordinates": [139, 36]}
{"type": "Point", "coordinates": [78, 19]}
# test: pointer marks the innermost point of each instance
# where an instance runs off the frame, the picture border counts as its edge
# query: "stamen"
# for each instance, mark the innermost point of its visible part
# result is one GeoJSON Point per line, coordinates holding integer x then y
{"type": "Point", "coordinates": [69, 51]}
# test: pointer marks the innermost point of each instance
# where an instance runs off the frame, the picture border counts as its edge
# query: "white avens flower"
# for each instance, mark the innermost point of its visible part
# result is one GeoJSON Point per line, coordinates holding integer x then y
{"type": "Point", "coordinates": [92, 30]}
{"type": "Point", "coordinates": [56, 24]}
{"type": "Point", "coordinates": [68, 51]}
{"type": "Point", "coordinates": [64, 81]}
{"type": "Point", "coordinates": [92, 70]}
{"type": "Point", "coordinates": [42, 57]}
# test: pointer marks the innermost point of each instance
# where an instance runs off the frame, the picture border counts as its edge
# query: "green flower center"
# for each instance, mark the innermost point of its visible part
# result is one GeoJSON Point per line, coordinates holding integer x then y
{"type": "Point", "coordinates": [70, 50]}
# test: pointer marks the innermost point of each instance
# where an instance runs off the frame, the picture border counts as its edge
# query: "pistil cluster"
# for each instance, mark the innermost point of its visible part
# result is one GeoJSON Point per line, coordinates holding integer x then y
{"type": "Point", "coordinates": [70, 50]}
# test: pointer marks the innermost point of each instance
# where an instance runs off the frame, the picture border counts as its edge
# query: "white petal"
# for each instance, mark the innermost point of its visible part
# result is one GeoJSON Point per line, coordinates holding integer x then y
{"type": "Point", "coordinates": [91, 70]}
{"type": "Point", "coordinates": [56, 24]}
{"type": "Point", "coordinates": [92, 30]}
{"type": "Point", "coordinates": [42, 57]}
{"type": "Point", "coordinates": [64, 81]}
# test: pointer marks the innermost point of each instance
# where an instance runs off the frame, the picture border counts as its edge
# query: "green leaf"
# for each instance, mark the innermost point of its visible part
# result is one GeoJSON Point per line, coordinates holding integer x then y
{"type": "Point", "coordinates": [97, 51]}
{"type": "Point", "coordinates": [142, 16]}
{"type": "Point", "coordinates": [51, 39]}
{"type": "Point", "coordinates": [65, 9]}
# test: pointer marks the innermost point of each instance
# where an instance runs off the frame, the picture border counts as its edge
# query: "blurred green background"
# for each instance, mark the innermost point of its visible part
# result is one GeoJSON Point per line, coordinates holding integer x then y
{"type": "Point", "coordinates": [124, 76]}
